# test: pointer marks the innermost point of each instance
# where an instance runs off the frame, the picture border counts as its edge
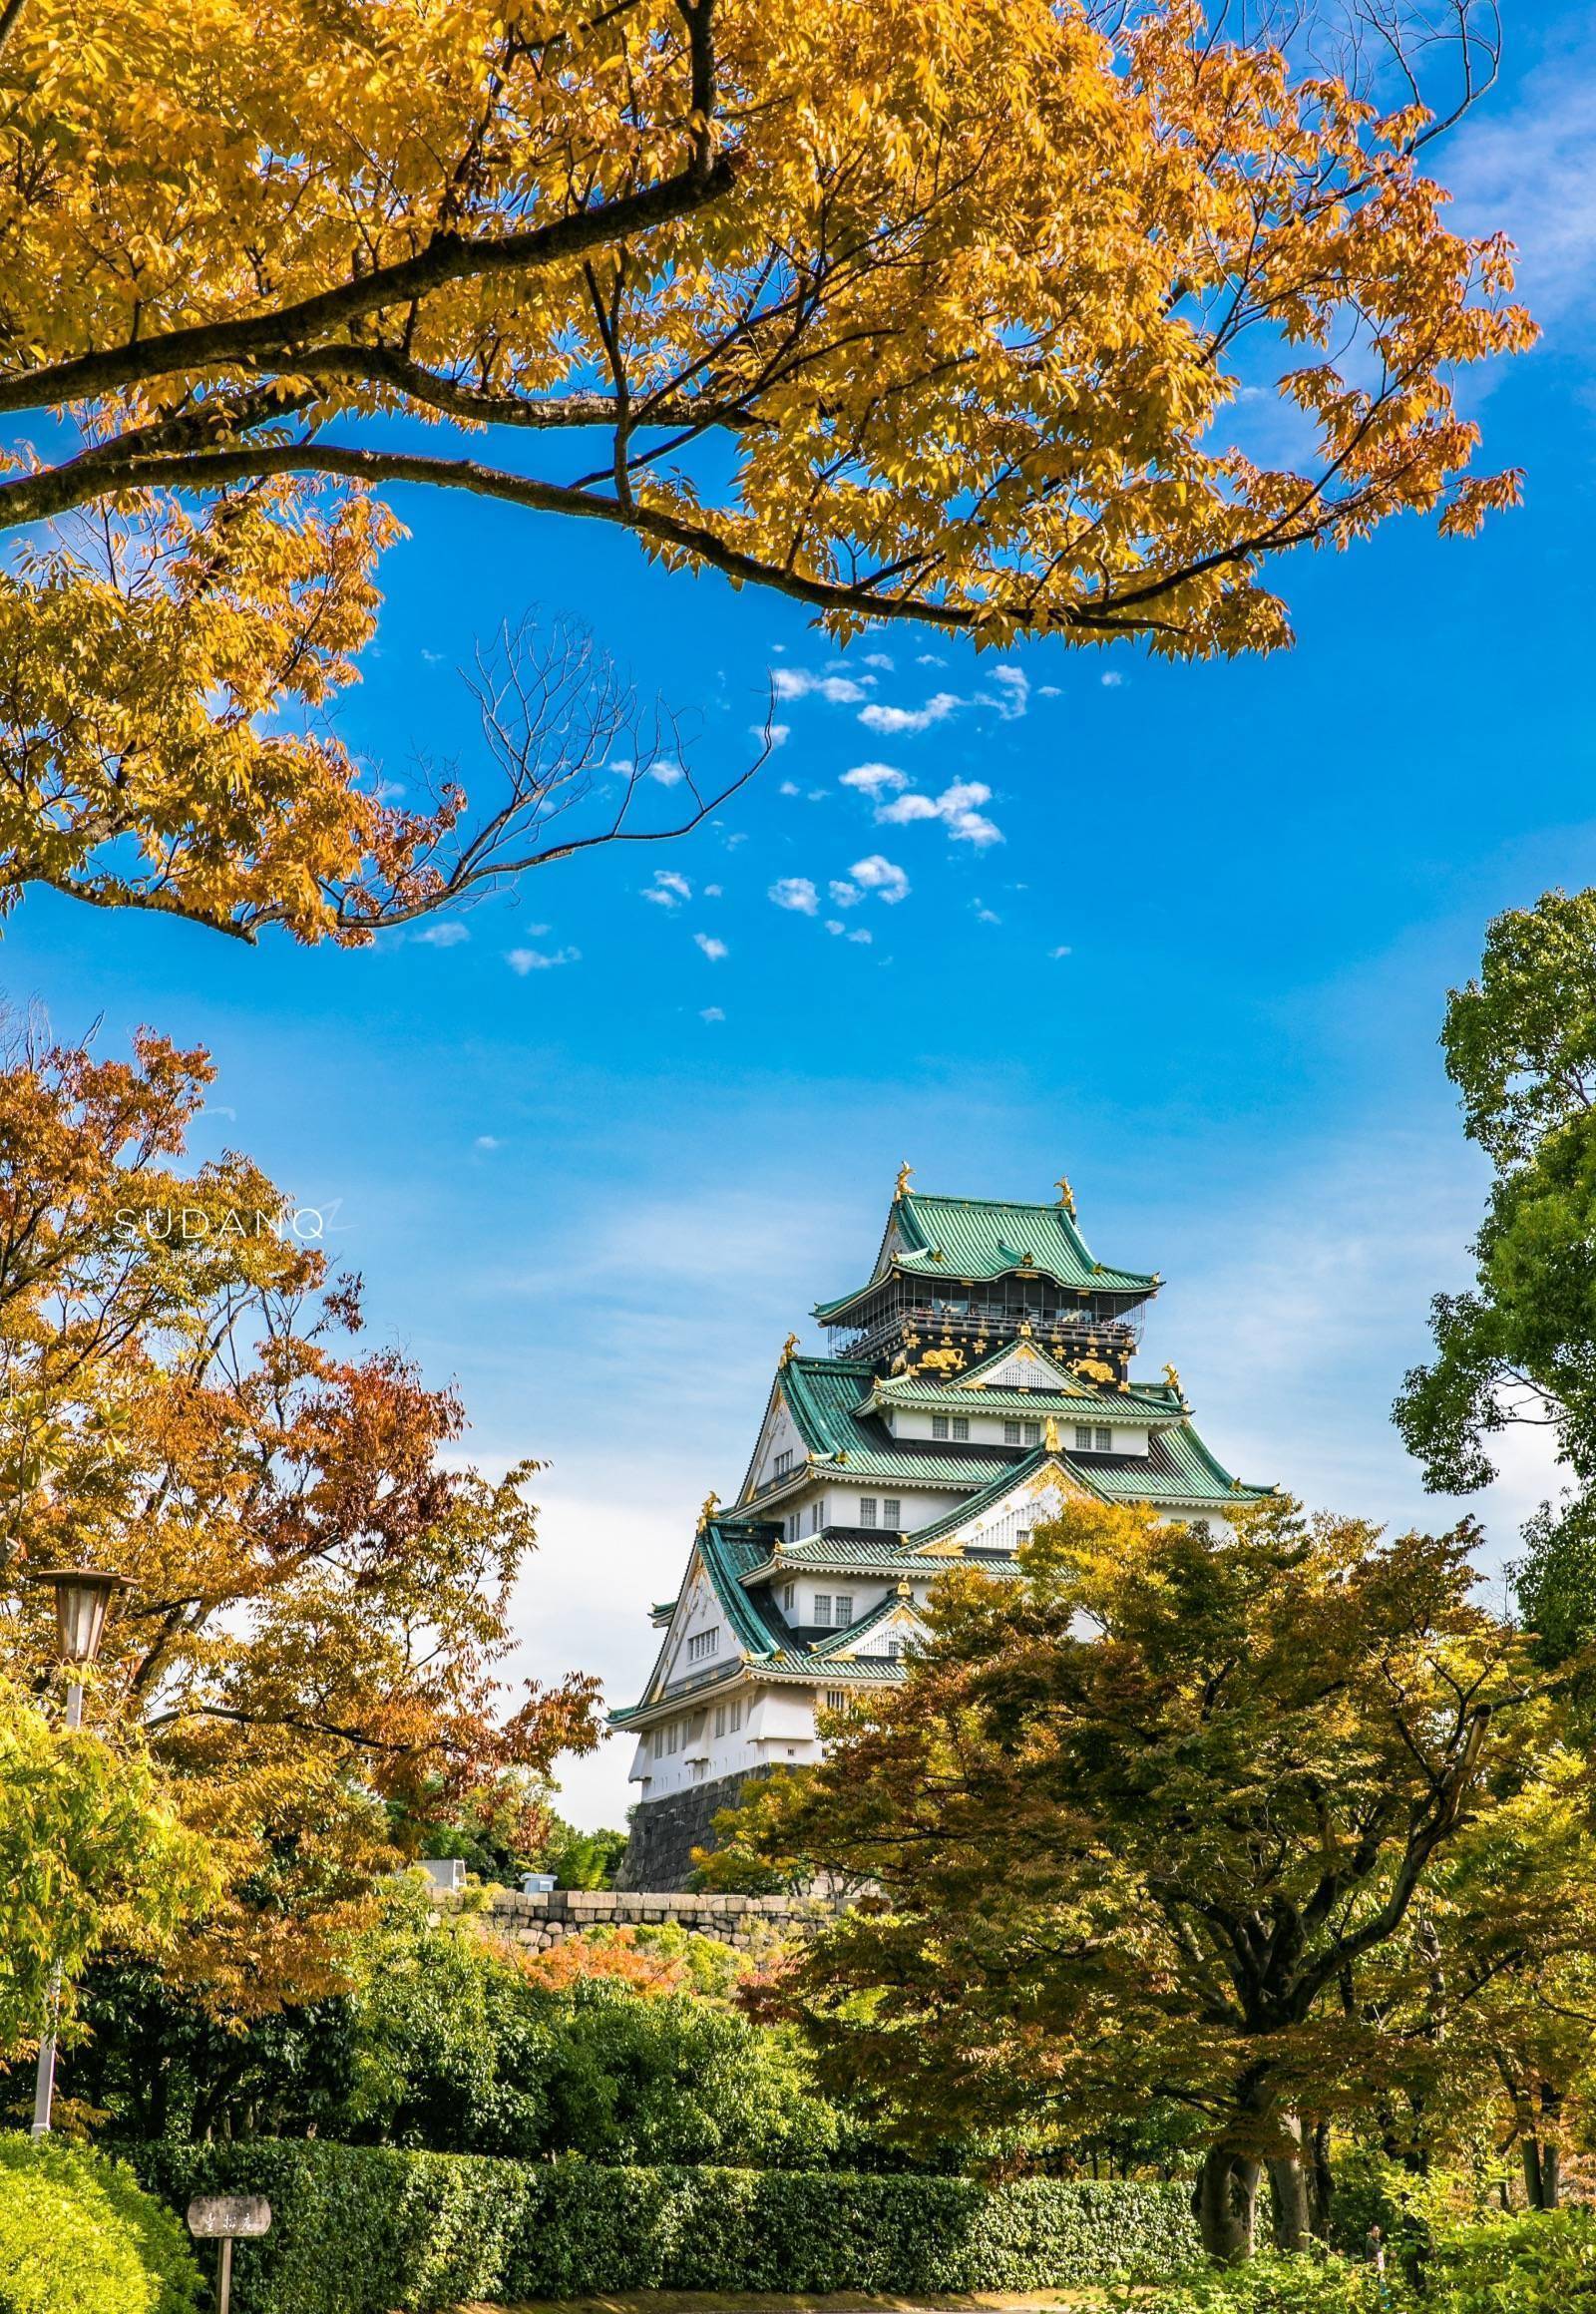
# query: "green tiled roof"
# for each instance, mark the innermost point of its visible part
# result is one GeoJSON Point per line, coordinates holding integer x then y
{"type": "Point", "coordinates": [1186, 1472]}
{"type": "Point", "coordinates": [850, 1555]}
{"type": "Point", "coordinates": [980, 1238]}
{"type": "Point", "coordinates": [1142, 1402]}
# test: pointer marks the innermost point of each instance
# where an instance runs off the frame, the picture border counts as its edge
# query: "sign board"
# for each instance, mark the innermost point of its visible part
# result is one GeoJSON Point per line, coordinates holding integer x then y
{"type": "Point", "coordinates": [229, 2216]}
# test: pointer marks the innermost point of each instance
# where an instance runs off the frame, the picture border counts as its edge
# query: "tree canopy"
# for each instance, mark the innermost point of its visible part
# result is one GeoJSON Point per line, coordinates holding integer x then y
{"type": "Point", "coordinates": [1520, 1347]}
{"type": "Point", "coordinates": [312, 1642]}
{"type": "Point", "coordinates": [1183, 1821]}
{"type": "Point", "coordinates": [953, 313]}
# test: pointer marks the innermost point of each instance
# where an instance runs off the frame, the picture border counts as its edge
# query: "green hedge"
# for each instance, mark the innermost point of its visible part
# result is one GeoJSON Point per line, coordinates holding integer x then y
{"type": "Point", "coordinates": [362, 2230]}
{"type": "Point", "coordinates": [78, 2235]}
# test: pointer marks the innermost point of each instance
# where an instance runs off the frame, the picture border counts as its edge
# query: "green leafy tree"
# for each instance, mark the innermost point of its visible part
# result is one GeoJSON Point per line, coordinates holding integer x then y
{"type": "Point", "coordinates": [91, 1855]}
{"type": "Point", "coordinates": [1520, 1347]}
{"type": "Point", "coordinates": [1155, 1825]}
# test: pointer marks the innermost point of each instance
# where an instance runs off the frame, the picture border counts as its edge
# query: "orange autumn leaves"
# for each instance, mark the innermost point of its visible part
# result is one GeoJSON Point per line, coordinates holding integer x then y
{"type": "Point", "coordinates": [312, 1647]}
{"type": "Point", "coordinates": [1010, 318]}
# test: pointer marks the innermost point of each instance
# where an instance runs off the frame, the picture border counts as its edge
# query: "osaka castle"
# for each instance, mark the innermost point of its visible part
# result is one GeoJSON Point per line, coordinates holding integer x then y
{"type": "Point", "coordinates": [981, 1375]}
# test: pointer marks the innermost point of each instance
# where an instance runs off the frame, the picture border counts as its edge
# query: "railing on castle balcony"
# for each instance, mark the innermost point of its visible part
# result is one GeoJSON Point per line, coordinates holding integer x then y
{"type": "Point", "coordinates": [1111, 1339]}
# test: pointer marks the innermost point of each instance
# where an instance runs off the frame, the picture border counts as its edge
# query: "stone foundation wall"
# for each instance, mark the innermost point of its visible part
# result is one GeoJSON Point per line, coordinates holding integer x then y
{"type": "Point", "coordinates": [664, 1832]}
{"type": "Point", "coordinates": [740, 1921]}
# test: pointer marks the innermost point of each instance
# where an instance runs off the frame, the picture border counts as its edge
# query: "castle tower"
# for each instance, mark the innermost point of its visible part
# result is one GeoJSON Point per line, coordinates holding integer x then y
{"type": "Point", "coordinates": [981, 1376]}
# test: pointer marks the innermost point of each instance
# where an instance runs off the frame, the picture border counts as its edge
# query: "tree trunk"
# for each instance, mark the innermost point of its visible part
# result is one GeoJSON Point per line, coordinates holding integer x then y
{"type": "Point", "coordinates": [1321, 2182]}
{"type": "Point", "coordinates": [1227, 2202]}
{"type": "Point", "coordinates": [1530, 2152]}
{"type": "Point", "coordinates": [1288, 2186]}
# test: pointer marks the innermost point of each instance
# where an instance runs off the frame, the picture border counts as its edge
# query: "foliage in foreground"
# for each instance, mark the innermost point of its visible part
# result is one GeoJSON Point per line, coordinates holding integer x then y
{"type": "Point", "coordinates": [1298, 2284]}
{"type": "Point", "coordinates": [1275, 1826]}
{"type": "Point", "coordinates": [80, 2235]}
{"type": "Point", "coordinates": [366, 2230]}
{"type": "Point", "coordinates": [92, 1855]}
{"type": "Point", "coordinates": [623, 2047]}
{"type": "Point", "coordinates": [943, 311]}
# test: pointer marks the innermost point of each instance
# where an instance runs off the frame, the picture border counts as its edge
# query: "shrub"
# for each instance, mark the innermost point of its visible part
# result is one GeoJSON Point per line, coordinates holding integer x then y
{"type": "Point", "coordinates": [80, 2235]}
{"type": "Point", "coordinates": [1314, 2284]}
{"type": "Point", "coordinates": [364, 2229]}
{"type": "Point", "coordinates": [1543, 2262]}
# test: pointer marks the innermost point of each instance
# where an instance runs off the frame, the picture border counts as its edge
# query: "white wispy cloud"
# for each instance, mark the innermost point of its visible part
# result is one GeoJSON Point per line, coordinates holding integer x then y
{"type": "Point", "coordinates": [796, 893]}
{"type": "Point", "coordinates": [1112, 680]}
{"type": "Point", "coordinates": [777, 734]}
{"type": "Point", "coordinates": [789, 787]}
{"type": "Point", "coordinates": [843, 893]}
{"type": "Point", "coordinates": [524, 961]}
{"type": "Point", "coordinates": [930, 659]}
{"type": "Point", "coordinates": [874, 779]}
{"type": "Point", "coordinates": [805, 683]}
{"type": "Point", "coordinates": [668, 888]}
{"type": "Point", "coordinates": [987, 914]}
{"type": "Point", "coordinates": [882, 877]}
{"type": "Point", "coordinates": [1056, 953]}
{"type": "Point", "coordinates": [897, 720]}
{"type": "Point", "coordinates": [859, 934]}
{"type": "Point", "coordinates": [487, 1141]}
{"type": "Point", "coordinates": [1527, 171]}
{"type": "Point", "coordinates": [713, 948]}
{"type": "Point", "coordinates": [1013, 695]}
{"type": "Point", "coordinates": [879, 660]}
{"type": "Point", "coordinates": [711, 1012]}
{"type": "Point", "coordinates": [442, 936]}
{"type": "Point", "coordinates": [956, 807]}
{"type": "Point", "coordinates": [666, 771]}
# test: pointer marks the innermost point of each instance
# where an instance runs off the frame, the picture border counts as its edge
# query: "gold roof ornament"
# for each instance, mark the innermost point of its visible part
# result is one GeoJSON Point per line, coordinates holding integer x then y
{"type": "Point", "coordinates": [711, 1505]}
{"type": "Point", "coordinates": [1025, 1325]}
{"type": "Point", "coordinates": [905, 1588]}
{"type": "Point", "coordinates": [906, 1174]}
{"type": "Point", "coordinates": [1049, 1437]}
{"type": "Point", "coordinates": [1173, 1380]}
{"type": "Point", "coordinates": [788, 1349]}
{"type": "Point", "coordinates": [1066, 1196]}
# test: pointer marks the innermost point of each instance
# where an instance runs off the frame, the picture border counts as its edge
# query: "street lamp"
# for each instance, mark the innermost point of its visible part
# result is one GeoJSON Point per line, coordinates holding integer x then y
{"type": "Point", "coordinates": [82, 1600]}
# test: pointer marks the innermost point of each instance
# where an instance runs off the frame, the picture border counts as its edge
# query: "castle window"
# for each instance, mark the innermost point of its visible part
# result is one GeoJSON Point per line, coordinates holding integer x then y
{"type": "Point", "coordinates": [784, 1462]}
{"type": "Point", "coordinates": [1022, 1535]}
{"type": "Point", "coordinates": [817, 1517]}
{"type": "Point", "coordinates": [961, 1426]}
{"type": "Point", "coordinates": [789, 1592]}
{"type": "Point", "coordinates": [704, 1644]}
{"type": "Point", "coordinates": [894, 1650]}
{"type": "Point", "coordinates": [892, 1511]}
{"type": "Point", "coordinates": [1083, 1436]}
{"type": "Point", "coordinates": [822, 1606]}
{"type": "Point", "coordinates": [737, 1717]}
{"type": "Point", "coordinates": [1105, 1440]}
{"type": "Point", "coordinates": [836, 1699]}
{"type": "Point", "coordinates": [721, 1719]}
{"type": "Point", "coordinates": [868, 1506]}
{"type": "Point", "coordinates": [1011, 1434]}
{"type": "Point", "coordinates": [939, 1425]}
{"type": "Point", "coordinates": [844, 1614]}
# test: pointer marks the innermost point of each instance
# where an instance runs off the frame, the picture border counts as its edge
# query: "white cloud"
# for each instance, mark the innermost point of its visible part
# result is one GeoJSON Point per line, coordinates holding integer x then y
{"type": "Point", "coordinates": [1056, 953]}
{"type": "Point", "coordinates": [987, 914]}
{"type": "Point", "coordinates": [713, 948]}
{"type": "Point", "coordinates": [1048, 691]}
{"type": "Point", "coordinates": [668, 888]}
{"type": "Point", "coordinates": [930, 659]}
{"type": "Point", "coordinates": [796, 893]}
{"type": "Point", "coordinates": [712, 892]}
{"type": "Point", "coordinates": [872, 779]}
{"type": "Point", "coordinates": [668, 771]}
{"type": "Point", "coordinates": [844, 895]}
{"type": "Point", "coordinates": [1112, 680]}
{"type": "Point", "coordinates": [955, 807]}
{"type": "Point", "coordinates": [524, 961]}
{"type": "Point", "coordinates": [442, 936]}
{"type": "Point", "coordinates": [1526, 171]}
{"type": "Point", "coordinates": [937, 709]}
{"type": "Point", "coordinates": [776, 734]}
{"type": "Point", "coordinates": [802, 683]}
{"type": "Point", "coordinates": [858, 934]}
{"type": "Point", "coordinates": [882, 877]}
{"type": "Point", "coordinates": [487, 1141]}
{"type": "Point", "coordinates": [879, 660]}
{"type": "Point", "coordinates": [1014, 693]}
{"type": "Point", "coordinates": [711, 1012]}
{"type": "Point", "coordinates": [789, 787]}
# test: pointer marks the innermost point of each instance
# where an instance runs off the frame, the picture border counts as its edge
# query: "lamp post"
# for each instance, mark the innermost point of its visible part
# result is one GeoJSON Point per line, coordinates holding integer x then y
{"type": "Point", "coordinates": [82, 1600]}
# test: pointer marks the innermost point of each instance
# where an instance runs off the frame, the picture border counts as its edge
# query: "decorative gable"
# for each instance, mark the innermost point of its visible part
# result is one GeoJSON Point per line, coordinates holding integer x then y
{"type": "Point", "coordinates": [699, 1637]}
{"type": "Point", "coordinates": [1030, 1503]}
{"type": "Point", "coordinates": [1023, 1368]}
{"type": "Point", "coordinates": [887, 1634]}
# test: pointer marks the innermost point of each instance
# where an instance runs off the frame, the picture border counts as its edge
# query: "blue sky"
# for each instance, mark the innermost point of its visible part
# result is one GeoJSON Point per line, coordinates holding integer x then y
{"type": "Point", "coordinates": [1190, 947]}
